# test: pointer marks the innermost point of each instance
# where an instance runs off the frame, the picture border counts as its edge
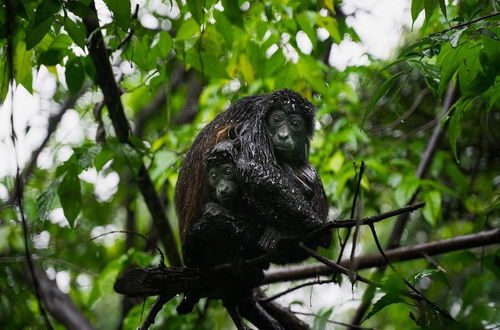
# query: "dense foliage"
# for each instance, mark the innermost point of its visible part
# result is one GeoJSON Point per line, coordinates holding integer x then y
{"type": "Point", "coordinates": [178, 64]}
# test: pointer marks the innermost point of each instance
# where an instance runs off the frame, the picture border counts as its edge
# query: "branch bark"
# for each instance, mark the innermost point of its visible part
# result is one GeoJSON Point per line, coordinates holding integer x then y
{"type": "Point", "coordinates": [411, 252]}
{"type": "Point", "coordinates": [106, 81]}
{"type": "Point", "coordinates": [59, 304]}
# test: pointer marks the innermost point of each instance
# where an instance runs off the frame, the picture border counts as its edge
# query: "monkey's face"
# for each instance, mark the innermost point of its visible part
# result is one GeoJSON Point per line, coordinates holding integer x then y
{"type": "Point", "coordinates": [288, 134]}
{"type": "Point", "coordinates": [222, 178]}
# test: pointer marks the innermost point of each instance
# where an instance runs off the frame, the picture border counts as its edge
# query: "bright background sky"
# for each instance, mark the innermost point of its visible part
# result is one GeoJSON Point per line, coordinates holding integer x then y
{"type": "Point", "coordinates": [379, 24]}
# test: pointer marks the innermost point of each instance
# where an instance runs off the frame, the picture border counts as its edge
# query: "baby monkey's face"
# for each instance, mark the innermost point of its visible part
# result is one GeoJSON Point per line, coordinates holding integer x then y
{"type": "Point", "coordinates": [223, 179]}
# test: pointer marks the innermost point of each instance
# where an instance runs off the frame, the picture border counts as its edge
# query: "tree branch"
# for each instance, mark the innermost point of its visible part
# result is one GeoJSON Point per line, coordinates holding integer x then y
{"type": "Point", "coordinates": [59, 304]}
{"type": "Point", "coordinates": [106, 81]}
{"type": "Point", "coordinates": [411, 252]}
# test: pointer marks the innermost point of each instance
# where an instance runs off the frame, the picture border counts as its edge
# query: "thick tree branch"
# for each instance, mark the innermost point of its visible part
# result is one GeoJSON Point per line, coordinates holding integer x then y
{"type": "Point", "coordinates": [59, 304]}
{"type": "Point", "coordinates": [411, 252]}
{"type": "Point", "coordinates": [106, 81]}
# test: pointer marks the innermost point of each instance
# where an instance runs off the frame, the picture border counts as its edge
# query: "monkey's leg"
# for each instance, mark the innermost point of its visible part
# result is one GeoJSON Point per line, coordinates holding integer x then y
{"type": "Point", "coordinates": [234, 312]}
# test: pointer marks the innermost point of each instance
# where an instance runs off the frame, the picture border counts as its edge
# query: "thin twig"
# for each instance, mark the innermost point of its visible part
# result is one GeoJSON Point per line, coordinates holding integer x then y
{"type": "Point", "coordinates": [334, 322]}
{"type": "Point", "coordinates": [465, 24]}
{"type": "Point", "coordinates": [136, 234]}
{"type": "Point", "coordinates": [300, 286]}
{"type": "Point", "coordinates": [352, 266]}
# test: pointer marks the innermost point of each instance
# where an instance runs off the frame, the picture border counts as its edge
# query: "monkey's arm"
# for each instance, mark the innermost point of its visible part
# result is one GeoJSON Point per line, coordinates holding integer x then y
{"type": "Point", "coordinates": [276, 198]}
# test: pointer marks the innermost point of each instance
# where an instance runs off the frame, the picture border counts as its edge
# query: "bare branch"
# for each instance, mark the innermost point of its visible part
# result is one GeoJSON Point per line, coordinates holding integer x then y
{"type": "Point", "coordinates": [411, 252]}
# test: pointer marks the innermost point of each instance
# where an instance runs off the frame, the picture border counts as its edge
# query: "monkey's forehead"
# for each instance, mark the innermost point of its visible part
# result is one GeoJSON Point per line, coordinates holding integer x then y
{"type": "Point", "coordinates": [291, 102]}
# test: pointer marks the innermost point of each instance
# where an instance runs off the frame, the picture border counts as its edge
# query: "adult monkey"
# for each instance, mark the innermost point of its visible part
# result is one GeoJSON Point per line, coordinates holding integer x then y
{"type": "Point", "coordinates": [278, 186]}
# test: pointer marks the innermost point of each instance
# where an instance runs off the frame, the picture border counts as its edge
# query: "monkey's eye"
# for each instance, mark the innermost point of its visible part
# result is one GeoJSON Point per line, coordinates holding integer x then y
{"type": "Point", "coordinates": [212, 176]}
{"type": "Point", "coordinates": [296, 124]}
{"type": "Point", "coordinates": [277, 119]}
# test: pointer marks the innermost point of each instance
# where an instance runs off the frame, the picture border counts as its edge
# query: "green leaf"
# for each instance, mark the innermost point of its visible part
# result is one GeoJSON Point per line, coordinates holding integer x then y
{"type": "Point", "coordinates": [223, 27]}
{"type": "Point", "coordinates": [45, 200]}
{"type": "Point", "coordinates": [312, 71]}
{"type": "Point", "coordinates": [4, 80]}
{"type": "Point", "coordinates": [330, 24]}
{"type": "Point", "coordinates": [78, 8]}
{"type": "Point", "coordinates": [429, 7]}
{"type": "Point", "coordinates": [187, 30]}
{"type": "Point", "coordinates": [76, 31]}
{"type": "Point", "coordinates": [51, 57]}
{"type": "Point", "coordinates": [456, 123]}
{"type": "Point", "coordinates": [196, 9]}
{"type": "Point", "coordinates": [122, 11]}
{"type": "Point", "coordinates": [233, 12]}
{"type": "Point", "coordinates": [102, 158]}
{"type": "Point", "coordinates": [321, 321]}
{"type": "Point", "coordinates": [405, 190]}
{"type": "Point", "coordinates": [432, 207]}
{"type": "Point", "coordinates": [307, 20]}
{"type": "Point", "coordinates": [442, 5]}
{"type": "Point", "coordinates": [63, 41]}
{"type": "Point", "coordinates": [416, 7]}
{"type": "Point", "coordinates": [75, 74]}
{"type": "Point", "coordinates": [379, 93]}
{"type": "Point", "coordinates": [455, 37]}
{"type": "Point", "coordinates": [164, 43]}
{"type": "Point", "coordinates": [70, 194]}
{"type": "Point", "coordinates": [22, 66]}
{"type": "Point", "coordinates": [42, 22]}
{"type": "Point", "coordinates": [383, 302]}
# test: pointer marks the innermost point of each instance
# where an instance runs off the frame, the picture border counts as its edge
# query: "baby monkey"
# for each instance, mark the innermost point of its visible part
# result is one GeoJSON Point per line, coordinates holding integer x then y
{"type": "Point", "coordinates": [222, 235]}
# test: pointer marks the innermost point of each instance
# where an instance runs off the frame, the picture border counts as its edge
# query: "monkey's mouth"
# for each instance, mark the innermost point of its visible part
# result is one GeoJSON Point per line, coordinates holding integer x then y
{"type": "Point", "coordinates": [283, 146]}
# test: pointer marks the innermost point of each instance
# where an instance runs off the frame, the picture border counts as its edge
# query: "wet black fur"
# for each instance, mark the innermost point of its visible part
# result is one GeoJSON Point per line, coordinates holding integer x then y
{"type": "Point", "coordinates": [287, 195]}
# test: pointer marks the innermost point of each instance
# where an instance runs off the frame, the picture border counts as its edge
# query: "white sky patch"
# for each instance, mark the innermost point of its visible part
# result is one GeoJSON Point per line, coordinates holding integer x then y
{"type": "Point", "coordinates": [4, 193]}
{"type": "Point", "coordinates": [105, 185]}
{"type": "Point", "coordinates": [149, 21]}
{"type": "Point", "coordinates": [290, 53]}
{"type": "Point", "coordinates": [70, 129]}
{"type": "Point", "coordinates": [56, 216]}
{"type": "Point", "coordinates": [41, 241]}
{"type": "Point", "coordinates": [62, 279]}
{"type": "Point", "coordinates": [304, 43]}
{"type": "Point", "coordinates": [271, 50]}
{"type": "Point", "coordinates": [83, 281]}
{"type": "Point", "coordinates": [108, 239]}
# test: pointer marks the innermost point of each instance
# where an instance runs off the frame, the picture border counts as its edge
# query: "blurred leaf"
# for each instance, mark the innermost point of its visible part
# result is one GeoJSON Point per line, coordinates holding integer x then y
{"type": "Point", "coordinates": [379, 93]}
{"type": "Point", "coordinates": [336, 161]}
{"type": "Point", "coordinates": [307, 20]}
{"type": "Point", "coordinates": [233, 12]}
{"type": "Point", "coordinates": [45, 200]}
{"type": "Point", "coordinates": [456, 123]}
{"type": "Point", "coordinates": [321, 321]}
{"type": "Point", "coordinates": [405, 190]}
{"type": "Point", "coordinates": [246, 68]}
{"type": "Point", "coordinates": [432, 208]}
{"type": "Point", "coordinates": [122, 11]}
{"type": "Point", "coordinates": [416, 7]}
{"type": "Point", "coordinates": [75, 74]}
{"type": "Point", "coordinates": [22, 66]}
{"type": "Point", "coordinates": [42, 22]}
{"type": "Point", "coordinates": [455, 37]}
{"type": "Point", "coordinates": [51, 57]}
{"type": "Point", "coordinates": [70, 195]}
{"type": "Point", "coordinates": [76, 31]}
{"type": "Point", "coordinates": [196, 9]}
{"type": "Point", "coordinates": [383, 302]}
{"type": "Point", "coordinates": [164, 43]}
